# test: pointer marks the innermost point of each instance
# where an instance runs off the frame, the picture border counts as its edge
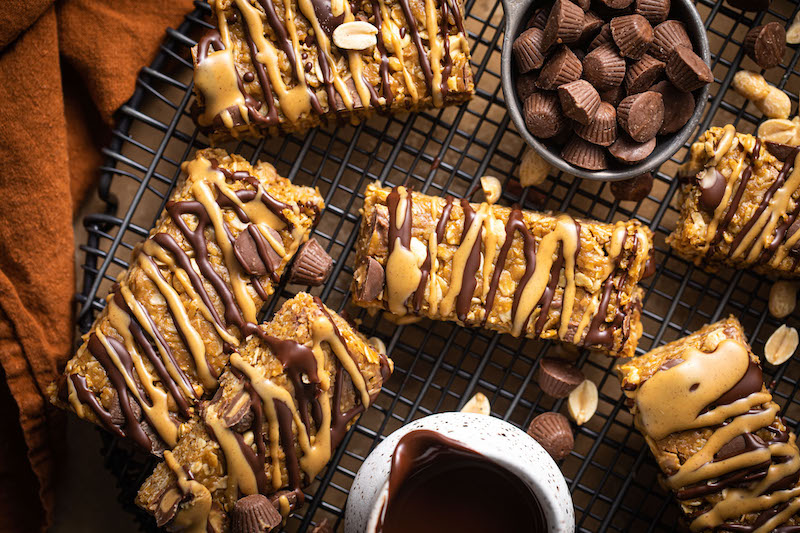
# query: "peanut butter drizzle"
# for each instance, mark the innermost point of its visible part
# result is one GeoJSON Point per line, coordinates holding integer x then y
{"type": "Point", "coordinates": [464, 262]}
{"type": "Point", "coordinates": [436, 48]}
{"type": "Point", "coordinates": [566, 235]}
{"type": "Point", "coordinates": [294, 102]}
{"type": "Point", "coordinates": [774, 205]}
{"type": "Point", "coordinates": [396, 42]}
{"type": "Point", "coordinates": [725, 144]}
{"type": "Point", "coordinates": [192, 518]}
{"type": "Point", "coordinates": [216, 78]}
{"type": "Point", "coordinates": [281, 407]}
{"type": "Point", "coordinates": [403, 274]}
{"type": "Point", "coordinates": [713, 390]}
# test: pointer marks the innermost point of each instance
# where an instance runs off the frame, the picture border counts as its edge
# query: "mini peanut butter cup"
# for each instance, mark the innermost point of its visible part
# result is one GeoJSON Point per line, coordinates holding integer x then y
{"type": "Point", "coordinates": [678, 107]}
{"type": "Point", "coordinates": [603, 67]}
{"type": "Point", "coordinates": [687, 71]}
{"type": "Point", "coordinates": [712, 186]}
{"type": "Point", "coordinates": [602, 37]}
{"type": "Point", "coordinates": [591, 27]}
{"type": "Point", "coordinates": [543, 115]}
{"type": "Point", "coordinates": [584, 154]}
{"type": "Point", "coordinates": [312, 266]}
{"type": "Point", "coordinates": [539, 19]}
{"type": "Point", "coordinates": [629, 152]}
{"type": "Point", "coordinates": [666, 36]}
{"type": "Point", "coordinates": [564, 24]}
{"type": "Point", "coordinates": [603, 129]}
{"type": "Point", "coordinates": [526, 85]}
{"type": "Point", "coordinates": [750, 5]}
{"type": "Point", "coordinates": [635, 189]}
{"type": "Point", "coordinates": [529, 49]}
{"type": "Point", "coordinates": [254, 514]}
{"type": "Point", "coordinates": [563, 67]}
{"type": "Point", "coordinates": [371, 285]}
{"type": "Point", "coordinates": [579, 100]}
{"type": "Point", "coordinates": [642, 73]}
{"type": "Point", "coordinates": [553, 432]}
{"type": "Point", "coordinates": [632, 34]}
{"type": "Point", "coordinates": [641, 115]}
{"type": "Point", "coordinates": [583, 4]}
{"type": "Point", "coordinates": [614, 5]}
{"type": "Point", "coordinates": [614, 96]}
{"type": "Point", "coordinates": [766, 44]}
{"type": "Point", "coordinates": [655, 11]}
{"type": "Point", "coordinates": [558, 378]}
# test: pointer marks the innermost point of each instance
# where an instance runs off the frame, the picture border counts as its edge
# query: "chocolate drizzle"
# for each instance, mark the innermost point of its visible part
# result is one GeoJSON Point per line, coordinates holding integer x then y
{"type": "Point", "coordinates": [423, 56]}
{"type": "Point", "coordinates": [469, 282]}
{"type": "Point", "coordinates": [384, 69]}
{"type": "Point", "coordinates": [425, 269]}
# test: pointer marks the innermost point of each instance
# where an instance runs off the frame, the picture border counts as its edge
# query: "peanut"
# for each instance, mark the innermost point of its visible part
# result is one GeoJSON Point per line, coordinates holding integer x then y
{"type": "Point", "coordinates": [782, 298]}
{"type": "Point", "coordinates": [355, 35]}
{"type": "Point", "coordinates": [793, 33]}
{"type": "Point", "coordinates": [533, 169]}
{"type": "Point", "coordinates": [582, 402]}
{"type": "Point", "coordinates": [781, 345]}
{"type": "Point", "coordinates": [478, 404]}
{"type": "Point", "coordinates": [776, 104]}
{"type": "Point", "coordinates": [750, 84]}
{"type": "Point", "coordinates": [778, 130]}
{"type": "Point", "coordinates": [491, 188]}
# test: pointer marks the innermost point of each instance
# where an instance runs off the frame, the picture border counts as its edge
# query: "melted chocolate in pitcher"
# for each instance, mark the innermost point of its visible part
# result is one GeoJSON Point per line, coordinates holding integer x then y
{"type": "Point", "coordinates": [436, 484]}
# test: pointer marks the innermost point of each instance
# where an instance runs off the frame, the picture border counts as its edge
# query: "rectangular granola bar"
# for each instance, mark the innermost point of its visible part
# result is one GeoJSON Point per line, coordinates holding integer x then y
{"type": "Point", "coordinates": [284, 67]}
{"type": "Point", "coordinates": [740, 205]}
{"type": "Point", "coordinates": [715, 432]}
{"type": "Point", "coordinates": [541, 275]}
{"type": "Point", "coordinates": [188, 299]}
{"type": "Point", "coordinates": [285, 403]}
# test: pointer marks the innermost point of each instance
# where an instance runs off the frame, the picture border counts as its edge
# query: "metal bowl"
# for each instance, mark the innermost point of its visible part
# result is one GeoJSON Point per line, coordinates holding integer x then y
{"type": "Point", "coordinates": [517, 13]}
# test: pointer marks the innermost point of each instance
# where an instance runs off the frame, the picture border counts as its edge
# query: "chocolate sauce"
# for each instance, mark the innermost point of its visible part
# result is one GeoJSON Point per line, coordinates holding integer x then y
{"type": "Point", "coordinates": [468, 281]}
{"type": "Point", "coordinates": [437, 484]}
{"type": "Point", "coordinates": [425, 269]}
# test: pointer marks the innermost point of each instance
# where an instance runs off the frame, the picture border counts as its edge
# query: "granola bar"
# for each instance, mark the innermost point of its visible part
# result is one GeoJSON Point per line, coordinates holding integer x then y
{"type": "Point", "coordinates": [290, 394]}
{"type": "Point", "coordinates": [284, 67]}
{"type": "Point", "coordinates": [542, 275]}
{"type": "Point", "coordinates": [189, 298]}
{"type": "Point", "coordinates": [715, 432]}
{"type": "Point", "coordinates": [740, 205]}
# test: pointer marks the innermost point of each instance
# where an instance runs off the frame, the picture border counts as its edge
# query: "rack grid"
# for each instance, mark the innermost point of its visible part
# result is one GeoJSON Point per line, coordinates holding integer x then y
{"type": "Point", "coordinates": [439, 366]}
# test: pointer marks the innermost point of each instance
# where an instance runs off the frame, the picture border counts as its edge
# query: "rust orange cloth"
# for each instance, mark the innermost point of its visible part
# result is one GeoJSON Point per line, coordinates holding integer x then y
{"type": "Point", "coordinates": [65, 67]}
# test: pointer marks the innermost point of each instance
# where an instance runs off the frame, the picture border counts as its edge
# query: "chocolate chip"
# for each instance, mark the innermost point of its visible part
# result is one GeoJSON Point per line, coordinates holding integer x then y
{"type": "Point", "coordinates": [312, 266]}
{"type": "Point", "coordinates": [604, 68]}
{"type": "Point", "coordinates": [641, 115]}
{"type": "Point", "coordinates": [642, 73]}
{"type": "Point", "coordinates": [766, 44]}
{"type": "Point", "coordinates": [627, 151]}
{"type": "Point", "coordinates": [372, 283]}
{"type": "Point", "coordinates": [680, 105]}
{"type": "Point", "coordinates": [579, 101]}
{"type": "Point", "coordinates": [553, 432]}
{"type": "Point", "coordinates": [564, 24]}
{"type": "Point", "coordinates": [248, 77]}
{"type": "Point", "coordinates": [687, 71]}
{"type": "Point", "coordinates": [558, 378]}
{"type": "Point", "coordinates": [529, 49]}
{"type": "Point", "coordinates": [632, 34]}
{"type": "Point", "coordinates": [254, 514]}
{"type": "Point", "coordinates": [543, 115]}
{"type": "Point", "coordinates": [712, 188]}
{"type": "Point", "coordinates": [563, 67]}
{"type": "Point", "coordinates": [635, 189]}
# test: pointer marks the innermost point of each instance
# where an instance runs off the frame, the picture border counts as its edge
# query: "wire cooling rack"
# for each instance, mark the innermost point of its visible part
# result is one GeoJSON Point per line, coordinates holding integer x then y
{"type": "Point", "coordinates": [439, 366]}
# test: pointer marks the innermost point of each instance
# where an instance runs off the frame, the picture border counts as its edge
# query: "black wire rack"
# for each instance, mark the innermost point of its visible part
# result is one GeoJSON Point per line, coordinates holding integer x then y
{"type": "Point", "coordinates": [439, 366]}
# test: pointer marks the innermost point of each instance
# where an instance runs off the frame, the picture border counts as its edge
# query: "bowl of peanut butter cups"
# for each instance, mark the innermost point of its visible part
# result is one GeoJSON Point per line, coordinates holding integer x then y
{"type": "Point", "coordinates": [605, 89]}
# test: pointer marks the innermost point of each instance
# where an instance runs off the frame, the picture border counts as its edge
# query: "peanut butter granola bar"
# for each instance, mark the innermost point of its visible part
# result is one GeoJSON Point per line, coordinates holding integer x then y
{"type": "Point", "coordinates": [189, 298]}
{"type": "Point", "coordinates": [541, 275]}
{"type": "Point", "coordinates": [284, 67]}
{"type": "Point", "coordinates": [740, 205]}
{"type": "Point", "coordinates": [715, 432]}
{"type": "Point", "coordinates": [290, 394]}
